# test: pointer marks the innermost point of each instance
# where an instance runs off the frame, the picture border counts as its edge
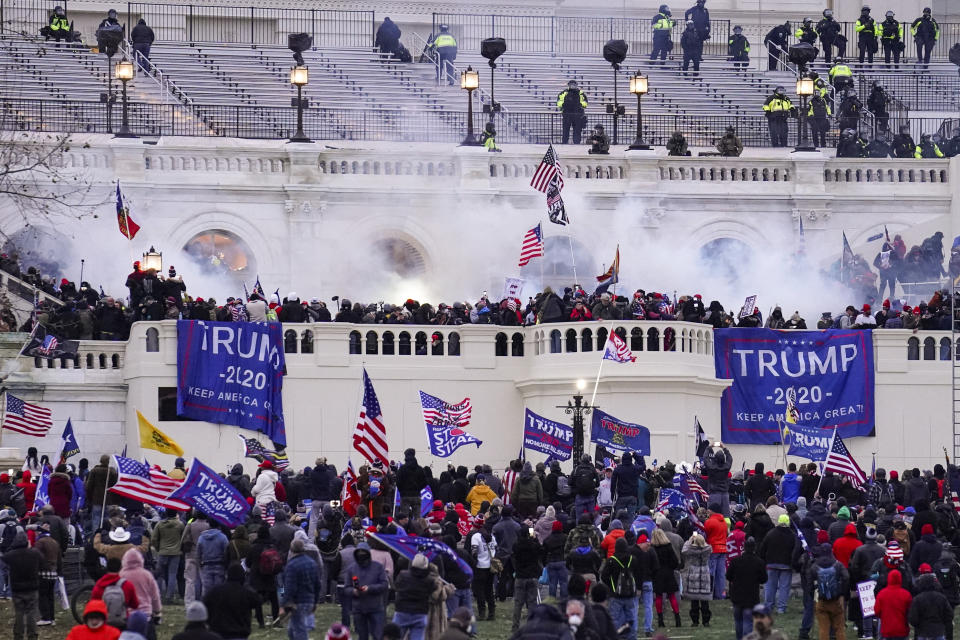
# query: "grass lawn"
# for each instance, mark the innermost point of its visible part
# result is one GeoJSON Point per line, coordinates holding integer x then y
{"type": "Point", "coordinates": [721, 626]}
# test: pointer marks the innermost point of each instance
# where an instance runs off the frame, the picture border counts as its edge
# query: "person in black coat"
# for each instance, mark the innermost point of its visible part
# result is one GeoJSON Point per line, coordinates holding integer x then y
{"type": "Point", "coordinates": [717, 465]}
{"type": "Point", "coordinates": [229, 605]}
{"type": "Point", "coordinates": [142, 38]}
{"type": "Point", "coordinates": [776, 41]}
{"type": "Point", "coordinates": [624, 486]}
{"type": "Point", "coordinates": [930, 613]}
{"type": "Point", "coordinates": [759, 487]}
{"type": "Point", "coordinates": [410, 480]}
{"type": "Point", "coordinates": [926, 550]}
{"type": "Point", "coordinates": [744, 576]}
{"type": "Point", "coordinates": [291, 310]}
{"type": "Point", "coordinates": [544, 623]}
{"type": "Point", "coordinates": [758, 524]}
{"type": "Point", "coordinates": [388, 36]}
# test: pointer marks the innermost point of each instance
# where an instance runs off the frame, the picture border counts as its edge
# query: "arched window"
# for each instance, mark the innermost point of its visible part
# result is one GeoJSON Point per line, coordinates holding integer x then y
{"type": "Point", "coordinates": [103, 361]}
{"type": "Point", "coordinates": [372, 343]}
{"type": "Point", "coordinates": [586, 340]}
{"type": "Point", "coordinates": [403, 344]}
{"type": "Point", "coordinates": [944, 348]}
{"type": "Point", "coordinates": [289, 341]}
{"type": "Point", "coordinates": [421, 343]}
{"type": "Point", "coordinates": [436, 344]}
{"type": "Point", "coordinates": [501, 345]}
{"type": "Point", "coordinates": [555, 339]}
{"type": "Point", "coordinates": [355, 343]}
{"type": "Point", "coordinates": [669, 339]}
{"type": "Point", "coordinates": [653, 339]}
{"type": "Point", "coordinates": [601, 338]}
{"type": "Point", "coordinates": [516, 348]}
{"type": "Point", "coordinates": [306, 342]}
{"type": "Point", "coordinates": [153, 340]}
{"type": "Point", "coordinates": [636, 339]}
{"type": "Point", "coordinates": [217, 252]}
{"type": "Point", "coordinates": [89, 364]}
{"type": "Point", "coordinates": [114, 361]}
{"type": "Point", "coordinates": [929, 349]}
{"type": "Point", "coordinates": [388, 346]}
{"type": "Point", "coordinates": [571, 346]}
{"type": "Point", "coordinates": [453, 344]}
{"type": "Point", "coordinates": [913, 349]}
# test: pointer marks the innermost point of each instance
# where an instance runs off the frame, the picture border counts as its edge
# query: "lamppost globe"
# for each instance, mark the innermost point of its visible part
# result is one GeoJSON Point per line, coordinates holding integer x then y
{"type": "Point", "coordinates": [299, 76]}
{"type": "Point", "coordinates": [152, 259]}
{"type": "Point", "coordinates": [805, 88]}
{"type": "Point", "coordinates": [123, 71]}
{"type": "Point", "coordinates": [470, 82]}
{"type": "Point", "coordinates": [581, 384]}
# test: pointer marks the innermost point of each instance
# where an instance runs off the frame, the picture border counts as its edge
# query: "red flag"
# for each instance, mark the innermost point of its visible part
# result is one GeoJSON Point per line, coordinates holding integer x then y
{"type": "Point", "coordinates": [350, 495]}
{"type": "Point", "coordinates": [128, 227]}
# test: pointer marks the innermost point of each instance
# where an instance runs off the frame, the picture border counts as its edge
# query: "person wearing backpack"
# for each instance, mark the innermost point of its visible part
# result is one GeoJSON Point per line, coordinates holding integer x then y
{"type": "Point", "coordinates": [118, 594]}
{"type": "Point", "coordinates": [585, 483]}
{"type": "Point", "coordinates": [621, 574]}
{"type": "Point", "coordinates": [830, 582]}
{"type": "Point", "coordinates": [881, 493]}
{"type": "Point", "coordinates": [148, 593]}
{"type": "Point", "coordinates": [930, 613]}
{"type": "Point", "coordinates": [947, 571]}
{"type": "Point", "coordinates": [262, 574]}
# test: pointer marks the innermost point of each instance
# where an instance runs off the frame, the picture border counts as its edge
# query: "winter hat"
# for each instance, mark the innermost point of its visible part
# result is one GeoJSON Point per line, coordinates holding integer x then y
{"type": "Point", "coordinates": [196, 612]}
{"type": "Point", "coordinates": [419, 561]}
{"type": "Point", "coordinates": [642, 537]}
{"type": "Point", "coordinates": [925, 529]}
{"type": "Point", "coordinates": [615, 524]}
{"type": "Point", "coordinates": [783, 520]}
{"type": "Point", "coordinates": [172, 271]}
{"type": "Point", "coordinates": [894, 552]}
{"type": "Point", "coordinates": [866, 308]}
{"type": "Point", "coordinates": [556, 526]}
{"type": "Point", "coordinates": [822, 536]}
{"type": "Point", "coordinates": [894, 475]}
{"type": "Point", "coordinates": [338, 632]}
{"type": "Point", "coordinates": [843, 513]}
{"type": "Point", "coordinates": [886, 303]}
{"type": "Point", "coordinates": [4, 478]}
{"type": "Point", "coordinates": [925, 568]}
{"type": "Point", "coordinates": [870, 533]}
{"type": "Point", "coordinates": [739, 525]}
{"type": "Point", "coordinates": [715, 507]}
{"type": "Point", "coordinates": [138, 623]}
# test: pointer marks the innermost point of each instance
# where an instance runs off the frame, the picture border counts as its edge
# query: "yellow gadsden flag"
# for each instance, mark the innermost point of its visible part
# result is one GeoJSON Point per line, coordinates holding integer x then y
{"type": "Point", "coordinates": [153, 438]}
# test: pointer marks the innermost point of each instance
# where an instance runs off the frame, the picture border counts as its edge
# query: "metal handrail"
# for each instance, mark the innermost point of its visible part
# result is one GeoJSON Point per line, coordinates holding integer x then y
{"type": "Point", "coordinates": [167, 86]}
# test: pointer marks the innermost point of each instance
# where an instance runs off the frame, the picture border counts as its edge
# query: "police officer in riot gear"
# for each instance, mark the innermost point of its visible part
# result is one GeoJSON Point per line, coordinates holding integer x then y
{"type": "Point", "coordinates": [776, 41]}
{"type": "Point", "coordinates": [867, 30]}
{"type": "Point", "coordinates": [662, 26]}
{"type": "Point", "coordinates": [777, 109]}
{"type": "Point", "coordinates": [925, 32]}
{"type": "Point", "coordinates": [828, 29]}
{"type": "Point", "coordinates": [891, 37]}
{"type": "Point", "coordinates": [572, 102]}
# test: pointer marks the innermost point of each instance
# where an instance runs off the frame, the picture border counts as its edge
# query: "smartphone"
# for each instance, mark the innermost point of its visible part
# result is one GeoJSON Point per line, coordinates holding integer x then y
{"type": "Point", "coordinates": [530, 530]}
{"type": "Point", "coordinates": [334, 503]}
{"type": "Point", "coordinates": [718, 444]}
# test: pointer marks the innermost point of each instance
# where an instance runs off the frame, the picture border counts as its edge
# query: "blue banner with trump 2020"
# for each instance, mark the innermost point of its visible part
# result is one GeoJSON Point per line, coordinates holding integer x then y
{"type": "Point", "coordinates": [232, 373]}
{"type": "Point", "coordinates": [830, 372]}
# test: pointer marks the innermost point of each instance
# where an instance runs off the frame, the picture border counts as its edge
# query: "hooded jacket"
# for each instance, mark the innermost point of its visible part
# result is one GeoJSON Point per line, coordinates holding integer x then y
{"type": "Point", "coordinates": [862, 560]}
{"type": "Point", "coordinates": [778, 545]}
{"type": "Point", "coordinates": [759, 487]}
{"type": "Point", "coordinates": [167, 535]}
{"type": "Point", "coordinates": [930, 612]}
{"type": "Point", "coordinates": [264, 490]}
{"type": "Point", "coordinates": [237, 479]}
{"type": "Point", "coordinates": [823, 558]}
{"type": "Point", "coordinates": [745, 575]}
{"type": "Point", "coordinates": [104, 632]}
{"type": "Point", "coordinates": [926, 550]}
{"type": "Point", "coordinates": [790, 487]}
{"type": "Point", "coordinates": [528, 490]}
{"type": "Point", "coordinates": [892, 606]}
{"type": "Point", "coordinates": [414, 587]}
{"type": "Point", "coordinates": [212, 547]}
{"type": "Point", "coordinates": [844, 547]}
{"type": "Point", "coordinates": [410, 477]}
{"type": "Point", "coordinates": [24, 564]}
{"type": "Point", "coordinates": [60, 490]}
{"type": "Point", "coordinates": [229, 605]}
{"type": "Point", "coordinates": [717, 466]}
{"type": "Point", "coordinates": [129, 591]}
{"type": "Point", "coordinates": [915, 489]}
{"type": "Point", "coordinates": [624, 482]}
{"type": "Point", "coordinates": [716, 532]}
{"type": "Point", "coordinates": [148, 594]}
{"type": "Point", "coordinates": [545, 623]}
{"type": "Point", "coordinates": [365, 572]}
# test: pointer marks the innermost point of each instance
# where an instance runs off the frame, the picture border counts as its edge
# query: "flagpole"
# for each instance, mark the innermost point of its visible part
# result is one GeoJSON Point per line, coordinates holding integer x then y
{"type": "Point", "coordinates": [597, 381]}
{"type": "Point", "coordinates": [824, 462]}
{"type": "Point", "coordinates": [573, 260]}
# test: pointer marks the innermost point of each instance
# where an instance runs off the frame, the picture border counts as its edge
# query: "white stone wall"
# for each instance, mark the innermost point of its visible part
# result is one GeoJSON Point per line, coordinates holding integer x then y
{"type": "Point", "coordinates": [663, 390]}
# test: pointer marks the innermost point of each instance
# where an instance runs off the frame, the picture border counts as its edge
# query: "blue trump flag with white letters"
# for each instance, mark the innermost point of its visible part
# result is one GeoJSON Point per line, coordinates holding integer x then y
{"type": "Point", "coordinates": [204, 490]}
{"type": "Point", "coordinates": [810, 443]}
{"type": "Point", "coordinates": [830, 372]}
{"type": "Point", "coordinates": [232, 373]}
{"type": "Point", "coordinates": [546, 436]}
{"type": "Point", "coordinates": [613, 433]}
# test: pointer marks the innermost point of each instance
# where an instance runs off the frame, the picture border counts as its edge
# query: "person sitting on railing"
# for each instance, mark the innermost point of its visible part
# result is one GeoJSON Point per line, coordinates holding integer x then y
{"type": "Point", "coordinates": [927, 148]}
{"type": "Point", "coordinates": [677, 145]}
{"type": "Point", "coordinates": [730, 145]}
{"type": "Point", "coordinates": [903, 144]}
{"type": "Point", "coordinates": [489, 138]}
{"type": "Point", "coordinates": [142, 38]}
{"type": "Point", "coordinates": [738, 48]}
{"type": "Point", "coordinates": [776, 43]}
{"type": "Point", "coordinates": [599, 141]}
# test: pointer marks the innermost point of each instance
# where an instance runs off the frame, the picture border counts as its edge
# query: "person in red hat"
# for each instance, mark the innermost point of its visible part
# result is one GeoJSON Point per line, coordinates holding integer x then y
{"type": "Point", "coordinates": [264, 491]}
{"type": "Point", "coordinates": [926, 550]}
{"type": "Point", "coordinates": [865, 319]}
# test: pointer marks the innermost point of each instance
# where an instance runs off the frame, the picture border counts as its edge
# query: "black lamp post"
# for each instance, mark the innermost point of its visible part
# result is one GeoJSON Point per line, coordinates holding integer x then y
{"type": "Point", "coordinates": [470, 81]}
{"type": "Point", "coordinates": [578, 408]}
{"type": "Point", "coordinates": [299, 77]}
{"type": "Point", "coordinates": [639, 86]}
{"type": "Point", "coordinates": [805, 89]}
{"type": "Point", "coordinates": [124, 73]}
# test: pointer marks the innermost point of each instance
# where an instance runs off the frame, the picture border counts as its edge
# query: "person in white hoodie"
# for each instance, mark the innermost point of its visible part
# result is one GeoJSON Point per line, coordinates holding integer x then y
{"type": "Point", "coordinates": [604, 497]}
{"type": "Point", "coordinates": [265, 489]}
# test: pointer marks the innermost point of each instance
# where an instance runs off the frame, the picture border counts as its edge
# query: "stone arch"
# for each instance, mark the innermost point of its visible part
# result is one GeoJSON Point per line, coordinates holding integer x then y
{"type": "Point", "coordinates": [500, 345]}
{"type": "Point", "coordinates": [388, 346]}
{"type": "Point", "coordinates": [153, 340]}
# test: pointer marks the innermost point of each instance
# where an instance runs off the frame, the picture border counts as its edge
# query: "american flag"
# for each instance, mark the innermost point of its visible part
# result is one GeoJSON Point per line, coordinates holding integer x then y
{"type": "Point", "coordinates": [547, 170]}
{"type": "Point", "coordinates": [840, 461]}
{"type": "Point", "coordinates": [370, 434]}
{"type": "Point", "coordinates": [671, 499]}
{"type": "Point", "coordinates": [532, 246]}
{"type": "Point", "coordinates": [253, 449]}
{"type": "Point", "coordinates": [617, 349]}
{"type": "Point", "coordinates": [270, 514]}
{"type": "Point", "coordinates": [350, 494]}
{"type": "Point", "coordinates": [139, 481]}
{"type": "Point", "coordinates": [436, 411]}
{"type": "Point", "coordinates": [690, 487]}
{"type": "Point", "coordinates": [28, 419]}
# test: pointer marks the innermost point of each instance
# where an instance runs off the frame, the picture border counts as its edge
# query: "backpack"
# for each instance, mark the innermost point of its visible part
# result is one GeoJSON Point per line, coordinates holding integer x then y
{"type": "Point", "coordinates": [563, 486]}
{"type": "Point", "coordinates": [116, 602]}
{"type": "Point", "coordinates": [271, 562]}
{"type": "Point", "coordinates": [828, 582]}
{"type": "Point", "coordinates": [8, 532]}
{"type": "Point", "coordinates": [625, 586]}
{"type": "Point", "coordinates": [585, 484]}
{"type": "Point", "coordinates": [886, 496]}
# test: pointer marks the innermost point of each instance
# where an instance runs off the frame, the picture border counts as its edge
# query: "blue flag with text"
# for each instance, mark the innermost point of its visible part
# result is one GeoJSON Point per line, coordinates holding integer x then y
{"type": "Point", "coordinates": [810, 443]}
{"type": "Point", "coordinates": [232, 373]}
{"type": "Point", "coordinates": [206, 491]}
{"type": "Point", "coordinates": [616, 434]}
{"type": "Point", "coordinates": [546, 436]}
{"type": "Point", "coordinates": [830, 372]}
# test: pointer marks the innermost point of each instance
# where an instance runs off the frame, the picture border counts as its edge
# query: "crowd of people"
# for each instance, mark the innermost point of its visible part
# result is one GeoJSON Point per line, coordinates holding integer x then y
{"type": "Point", "coordinates": [88, 314]}
{"type": "Point", "coordinates": [595, 553]}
